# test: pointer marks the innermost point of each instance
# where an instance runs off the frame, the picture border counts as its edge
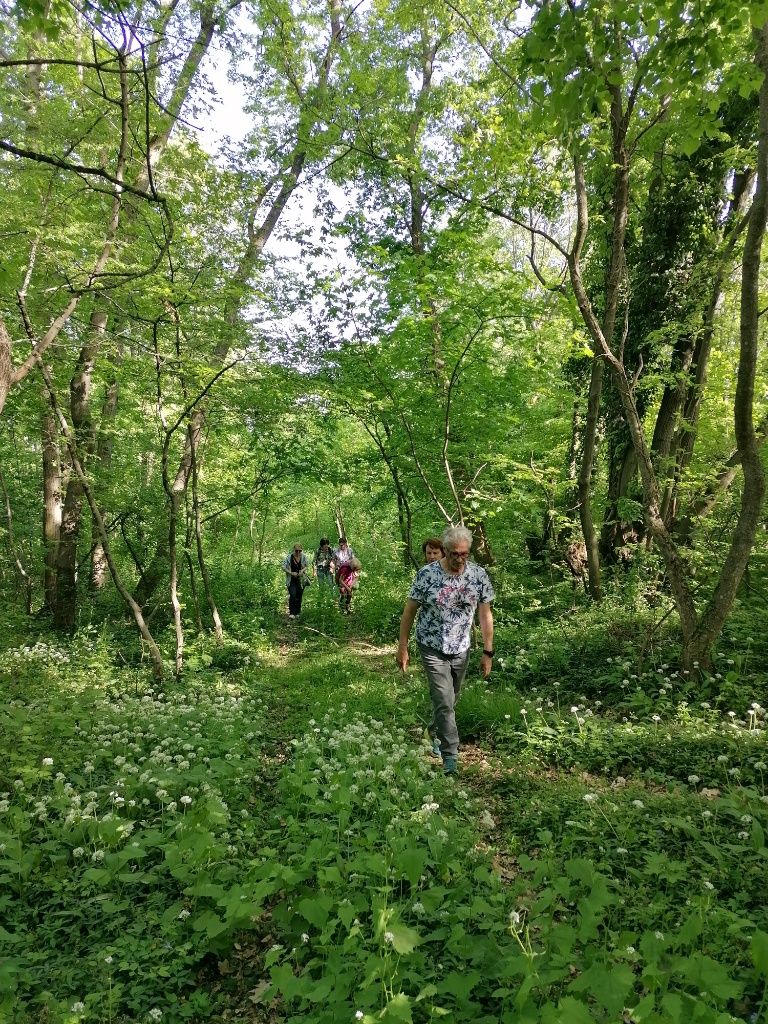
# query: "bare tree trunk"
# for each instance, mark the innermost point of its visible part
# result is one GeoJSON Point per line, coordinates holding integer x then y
{"type": "Point", "coordinates": [6, 364]}
{"type": "Point", "coordinates": [481, 545]}
{"type": "Point", "coordinates": [584, 483]}
{"type": "Point", "coordinates": [52, 504]}
{"type": "Point", "coordinates": [174, 501]}
{"type": "Point", "coordinates": [405, 524]}
{"type": "Point", "coordinates": [13, 548]}
{"type": "Point", "coordinates": [218, 629]}
{"type": "Point", "coordinates": [154, 651]}
{"type": "Point", "coordinates": [65, 606]}
{"type": "Point", "coordinates": [263, 531]}
{"type": "Point", "coordinates": [339, 516]}
{"type": "Point", "coordinates": [193, 584]}
{"type": "Point", "coordinates": [191, 568]}
{"type": "Point", "coordinates": [104, 448]}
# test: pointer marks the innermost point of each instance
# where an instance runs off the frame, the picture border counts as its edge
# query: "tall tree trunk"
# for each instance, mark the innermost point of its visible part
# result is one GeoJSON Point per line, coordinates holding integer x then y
{"type": "Point", "coordinates": [104, 449]}
{"type": "Point", "coordinates": [13, 548]}
{"type": "Point", "coordinates": [65, 604]}
{"type": "Point", "coordinates": [481, 545]}
{"type": "Point", "coordinates": [174, 502]}
{"type": "Point", "coordinates": [68, 435]}
{"type": "Point", "coordinates": [52, 503]}
{"type": "Point", "coordinates": [6, 364]}
{"type": "Point", "coordinates": [82, 381]}
{"type": "Point", "coordinates": [584, 482]}
{"type": "Point", "coordinates": [405, 525]}
{"type": "Point", "coordinates": [699, 631]}
{"type": "Point", "coordinates": [675, 428]}
{"type": "Point", "coordinates": [218, 629]}
{"type": "Point", "coordinates": [699, 645]}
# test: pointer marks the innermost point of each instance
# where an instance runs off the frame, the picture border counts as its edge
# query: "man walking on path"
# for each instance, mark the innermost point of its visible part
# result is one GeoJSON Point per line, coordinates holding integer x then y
{"type": "Point", "coordinates": [448, 591]}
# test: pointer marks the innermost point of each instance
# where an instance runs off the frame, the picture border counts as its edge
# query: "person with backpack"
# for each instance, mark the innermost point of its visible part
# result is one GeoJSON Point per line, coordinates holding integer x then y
{"type": "Point", "coordinates": [324, 562]}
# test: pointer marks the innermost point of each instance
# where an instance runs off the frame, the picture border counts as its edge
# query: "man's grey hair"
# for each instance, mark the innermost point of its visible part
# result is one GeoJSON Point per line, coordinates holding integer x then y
{"type": "Point", "coordinates": [454, 534]}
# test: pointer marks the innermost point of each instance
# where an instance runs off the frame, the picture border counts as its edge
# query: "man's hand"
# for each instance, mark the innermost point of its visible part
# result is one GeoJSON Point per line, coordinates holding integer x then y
{"type": "Point", "coordinates": [409, 614]}
{"type": "Point", "coordinates": [486, 664]}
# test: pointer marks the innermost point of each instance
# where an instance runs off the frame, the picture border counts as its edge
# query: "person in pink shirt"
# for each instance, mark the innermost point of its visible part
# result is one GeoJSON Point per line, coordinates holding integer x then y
{"type": "Point", "coordinates": [347, 576]}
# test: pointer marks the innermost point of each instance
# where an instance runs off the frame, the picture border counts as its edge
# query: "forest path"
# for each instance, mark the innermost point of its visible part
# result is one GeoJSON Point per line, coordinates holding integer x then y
{"type": "Point", "coordinates": [360, 671]}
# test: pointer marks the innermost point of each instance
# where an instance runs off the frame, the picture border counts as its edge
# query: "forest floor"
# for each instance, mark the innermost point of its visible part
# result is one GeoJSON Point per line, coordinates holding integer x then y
{"type": "Point", "coordinates": [269, 840]}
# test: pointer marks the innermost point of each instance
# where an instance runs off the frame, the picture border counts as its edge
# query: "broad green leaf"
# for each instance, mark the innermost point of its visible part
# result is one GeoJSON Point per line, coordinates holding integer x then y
{"type": "Point", "coordinates": [758, 948]}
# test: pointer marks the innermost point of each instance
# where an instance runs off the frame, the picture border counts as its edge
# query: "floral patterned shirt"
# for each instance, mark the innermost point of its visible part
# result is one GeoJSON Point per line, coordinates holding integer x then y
{"type": "Point", "coordinates": [448, 605]}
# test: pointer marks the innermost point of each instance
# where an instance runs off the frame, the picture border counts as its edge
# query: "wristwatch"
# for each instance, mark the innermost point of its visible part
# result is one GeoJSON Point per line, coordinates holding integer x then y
{"type": "Point", "coordinates": [488, 654]}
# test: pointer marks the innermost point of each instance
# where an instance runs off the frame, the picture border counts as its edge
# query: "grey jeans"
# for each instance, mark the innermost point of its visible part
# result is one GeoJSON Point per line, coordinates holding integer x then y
{"type": "Point", "coordinates": [445, 673]}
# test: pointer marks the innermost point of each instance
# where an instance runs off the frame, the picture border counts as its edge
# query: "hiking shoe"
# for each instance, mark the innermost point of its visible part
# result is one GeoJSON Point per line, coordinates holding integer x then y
{"type": "Point", "coordinates": [450, 765]}
{"type": "Point", "coordinates": [435, 749]}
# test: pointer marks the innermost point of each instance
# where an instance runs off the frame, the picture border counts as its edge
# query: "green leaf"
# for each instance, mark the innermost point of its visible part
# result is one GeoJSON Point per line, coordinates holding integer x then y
{"type": "Point", "coordinates": [315, 910]}
{"type": "Point", "coordinates": [398, 1008]}
{"type": "Point", "coordinates": [609, 984]}
{"type": "Point", "coordinates": [460, 983]}
{"type": "Point", "coordinates": [758, 835]}
{"type": "Point", "coordinates": [404, 939]}
{"type": "Point", "coordinates": [708, 975]}
{"type": "Point", "coordinates": [758, 947]}
{"type": "Point", "coordinates": [568, 1011]}
{"type": "Point", "coordinates": [690, 931]}
{"type": "Point", "coordinates": [411, 863]}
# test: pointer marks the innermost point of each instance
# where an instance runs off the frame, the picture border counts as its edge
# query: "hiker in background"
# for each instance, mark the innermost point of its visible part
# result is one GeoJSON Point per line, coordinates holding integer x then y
{"type": "Point", "coordinates": [324, 562]}
{"type": "Point", "coordinates": [432, 549]}
{"type": "Point", "coordinates": [447, 592]}
{"type": "Point", "coordinates": [341, 555]}
{"type": "Point", "coordinates": [296, 569]}
{"type": "Point", "coordinates": [347, 576]}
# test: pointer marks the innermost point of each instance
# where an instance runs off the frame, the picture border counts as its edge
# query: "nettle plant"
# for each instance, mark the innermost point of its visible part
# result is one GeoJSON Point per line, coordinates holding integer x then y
{"type": "Point", "coordinates": [120, 850]}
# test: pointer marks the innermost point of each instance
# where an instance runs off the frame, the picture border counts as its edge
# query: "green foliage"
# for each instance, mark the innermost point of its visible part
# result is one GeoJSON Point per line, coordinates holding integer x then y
{"type": "Point", "coordinates": [625, 871]}
{"type": "Point", "coordinates": [126, 825]}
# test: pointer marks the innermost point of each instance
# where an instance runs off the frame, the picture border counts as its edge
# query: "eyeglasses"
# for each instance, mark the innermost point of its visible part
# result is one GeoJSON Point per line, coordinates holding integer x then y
{"type": "Point", "coordinates": [458, 554]}
{"type": "Point", "coordinates": [297, 550]}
